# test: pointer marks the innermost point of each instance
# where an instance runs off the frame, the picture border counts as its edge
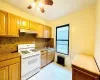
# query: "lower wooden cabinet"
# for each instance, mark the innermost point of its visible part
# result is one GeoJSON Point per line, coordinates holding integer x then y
{"type": "Point", "coordinates": [10, 69]}
{"type": "Point", "coordinates": [43, 60]}
{"type": "Point", "coordinates": [46, 57]}
{"type": "Point", "coordinates": [50, 57]}
{"type": "Point", "coordinates": [81, 74]}
{"type": "Point", "coordinates": [4, 73]}
{"type": "Point", "coordinates": [14, 72]}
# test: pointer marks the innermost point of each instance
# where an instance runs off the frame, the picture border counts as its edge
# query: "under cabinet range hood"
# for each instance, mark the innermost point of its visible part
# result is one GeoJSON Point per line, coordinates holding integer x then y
{"type": "Point", "coordinates": [27, 31]}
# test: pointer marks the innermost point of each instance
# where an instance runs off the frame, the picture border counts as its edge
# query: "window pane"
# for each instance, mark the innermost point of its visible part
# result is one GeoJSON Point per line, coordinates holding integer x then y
{"type": "Point", "coordinates": [62, 42]}
{"type": "Point", "coordinates": [62, 47]}
{"type": "Point", "coordinates": [62, 33]}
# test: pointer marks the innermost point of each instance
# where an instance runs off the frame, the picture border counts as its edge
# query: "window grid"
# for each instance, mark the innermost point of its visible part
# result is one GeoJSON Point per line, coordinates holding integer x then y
{"type": "Point", "coordinates": [67, 25]}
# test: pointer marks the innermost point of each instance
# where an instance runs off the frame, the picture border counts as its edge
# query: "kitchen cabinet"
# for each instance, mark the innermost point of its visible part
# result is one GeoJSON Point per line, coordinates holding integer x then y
{"type": "Point", "coordinates": [47, 57]}
{"type": "Point", "coordinates": [24, 24]}
{"type": "Point", "coordinates": [47, 32]}
{"type": "Point", "coordinates": [50, 57]}
{"type": "Point", "coordinates": [33, 26]}
{"type": "Point", "coordinates": [40, 30]}
{"type": "Point", "coordinates": [3, 23]}
{"type": "Point", "coordinates": [13, 25]}
{"type": "Point", "coordinates": [4, 73]}
{"type": "Point", "coordinates": [43, 58]}
{"type": "Point", "coordinates": [82, 74]}
{"type": "Point", "coordinates": [10, 25]}
{"type": "Point", "coordinates": [14, 72]}
{"type": "Point", "coordinates": [53, 56]}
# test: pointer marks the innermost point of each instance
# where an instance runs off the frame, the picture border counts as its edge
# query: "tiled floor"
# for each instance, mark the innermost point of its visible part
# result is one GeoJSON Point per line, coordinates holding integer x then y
{"type": "Point", "coordinates": [53, 72]}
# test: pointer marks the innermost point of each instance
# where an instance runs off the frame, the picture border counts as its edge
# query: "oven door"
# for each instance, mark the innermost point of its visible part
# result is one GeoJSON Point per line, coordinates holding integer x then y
{"type": "Point", "coordinates": [30, 63]}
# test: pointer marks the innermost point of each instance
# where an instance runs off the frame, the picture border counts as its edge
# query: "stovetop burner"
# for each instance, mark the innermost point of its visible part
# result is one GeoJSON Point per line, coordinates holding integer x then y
{"type": "Point", "coordinates": [25, 52]}
{"type": "Point", "coordinates": [33, 50]}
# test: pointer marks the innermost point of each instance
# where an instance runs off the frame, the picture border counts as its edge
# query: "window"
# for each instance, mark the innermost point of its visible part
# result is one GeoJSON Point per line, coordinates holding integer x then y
{"type": "Point", "coordinates": [62, 39]}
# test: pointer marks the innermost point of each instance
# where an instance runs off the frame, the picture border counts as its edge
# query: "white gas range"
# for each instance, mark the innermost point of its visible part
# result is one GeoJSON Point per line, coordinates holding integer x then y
{"type": "Point", "coordinates": [30, 60]}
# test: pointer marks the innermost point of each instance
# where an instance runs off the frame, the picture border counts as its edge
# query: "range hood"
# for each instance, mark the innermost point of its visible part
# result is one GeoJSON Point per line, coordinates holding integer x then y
{"type": "Point", "coordinates": [27, 31]}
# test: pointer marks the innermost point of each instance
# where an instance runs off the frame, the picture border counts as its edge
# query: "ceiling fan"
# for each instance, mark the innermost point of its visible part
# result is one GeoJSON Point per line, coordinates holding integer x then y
{"type": "Point", "coordinates": [40, 4]}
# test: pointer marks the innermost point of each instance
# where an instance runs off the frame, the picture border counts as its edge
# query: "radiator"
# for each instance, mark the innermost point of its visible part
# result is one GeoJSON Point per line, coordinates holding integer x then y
{"type": "Point", "coordinates": [61, 60]}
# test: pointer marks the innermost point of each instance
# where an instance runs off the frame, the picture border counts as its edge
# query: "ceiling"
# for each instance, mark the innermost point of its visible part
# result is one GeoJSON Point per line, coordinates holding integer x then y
{"type": "Point", "coordinates": [59, 9]}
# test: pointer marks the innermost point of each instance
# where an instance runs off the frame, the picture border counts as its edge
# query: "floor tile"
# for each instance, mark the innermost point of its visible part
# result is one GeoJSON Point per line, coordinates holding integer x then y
{"type": "Point", "coordinates": [53, 72]}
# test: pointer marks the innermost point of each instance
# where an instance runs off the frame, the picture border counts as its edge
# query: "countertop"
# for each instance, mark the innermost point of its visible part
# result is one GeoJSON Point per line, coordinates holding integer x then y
{"type": "Point", "coordinates": [86, 62]}
{"type": "Point", "coordinates": [46, 49]}
{"type": "Point", "coordinates": [8, 55]}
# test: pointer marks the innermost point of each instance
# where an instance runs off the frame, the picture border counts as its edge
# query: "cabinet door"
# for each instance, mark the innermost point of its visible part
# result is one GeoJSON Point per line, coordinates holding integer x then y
{"type": "Point", "coordinates": [3, 23]}
{"type": "Point", "coordinates": [13, 25]}
{"type": "Point", "coordinates": [33, 26]}
{"type": "Point", "coordinates": [40, 30]}
{"type": "Point", "coordinates": [52, 56]}
{"type": "Point", "coordinates": [24, 24]}
{"type": "Point", "coordinates": [49, 57]}
{"type": "Point", "coordinates": [43, 60]}
{"type": "Point", "coordinates": [14, 72]}
{"type": "Point", "coordinates": [47, 32]}
{"type": "Point", "coordinates": [4, 73]}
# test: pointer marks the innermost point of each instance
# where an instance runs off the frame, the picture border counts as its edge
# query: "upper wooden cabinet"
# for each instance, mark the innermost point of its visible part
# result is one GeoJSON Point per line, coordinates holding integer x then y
{"type": "Point", "coordinates": [10, 25]}
{"type": "Point", "coordinates": [47, 32]}
{"type": "Point", "coordinates": [24, 23]}
{"type": "Point", "coordinates": [50, 31]}
{"type": "Point", "coordinates": [3, 23]}
{"type": "Point", "coordinates": [40, 30]}
{"type": "Point", "coordinates": [13, 25]}
{"type": "Point", "coordinates": [33, 26]}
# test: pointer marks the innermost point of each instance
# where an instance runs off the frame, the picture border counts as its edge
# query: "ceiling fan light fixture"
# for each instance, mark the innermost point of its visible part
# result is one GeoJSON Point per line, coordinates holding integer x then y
{"type": "Point", "coordinates": [40, 4]}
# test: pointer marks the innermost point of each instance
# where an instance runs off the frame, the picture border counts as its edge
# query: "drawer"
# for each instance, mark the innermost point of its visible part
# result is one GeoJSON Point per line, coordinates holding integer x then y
{"type": "Point", "coordinates": [43, 52]}
{"type": "Point", "coordinates": [9, 62]}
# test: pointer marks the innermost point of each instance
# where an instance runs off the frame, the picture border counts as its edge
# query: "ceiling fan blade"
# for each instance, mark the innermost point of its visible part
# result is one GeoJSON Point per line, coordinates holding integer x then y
{"type": "Point", "coordinates": [35, 0]}
{"type": "Point", "coordinates": [29, 7]}
{"type": "Point", "coordinates": [42, 10]}
{"type": "Point", "coordinates": [48, 2]}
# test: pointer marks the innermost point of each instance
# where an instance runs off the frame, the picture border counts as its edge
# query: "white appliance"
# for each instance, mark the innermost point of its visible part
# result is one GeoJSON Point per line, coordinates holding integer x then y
{"type": "Point", "coordinates": [30, 60]}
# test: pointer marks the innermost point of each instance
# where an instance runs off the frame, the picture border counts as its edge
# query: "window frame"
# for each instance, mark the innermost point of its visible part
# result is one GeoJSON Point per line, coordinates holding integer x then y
{"type": "Point", "coordinates": [66, 25]}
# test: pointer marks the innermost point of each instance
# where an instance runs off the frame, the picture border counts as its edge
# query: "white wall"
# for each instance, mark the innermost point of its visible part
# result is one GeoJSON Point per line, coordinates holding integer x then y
{"type": "Point", "coordinates": [97, 46]}
{"type": "Point", "coordinates": [82, 32]}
